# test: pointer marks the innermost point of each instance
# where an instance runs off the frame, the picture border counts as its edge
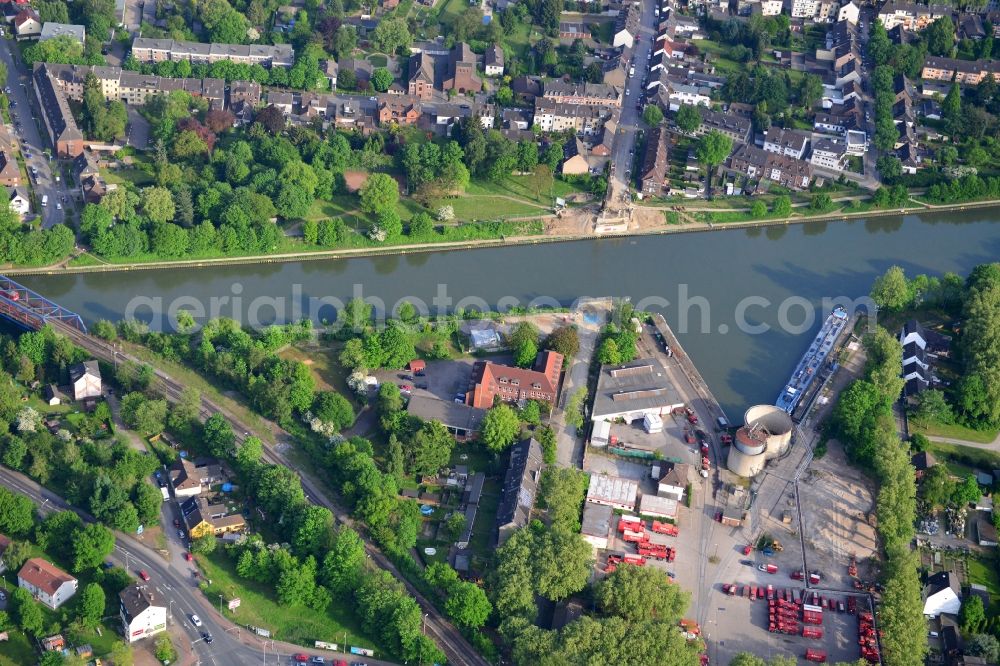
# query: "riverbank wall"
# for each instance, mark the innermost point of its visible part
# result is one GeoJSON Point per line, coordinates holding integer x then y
{"type": "Point", "coordinates": [687, 366]}
{"type": "Point", "coordinates": [398, 250]}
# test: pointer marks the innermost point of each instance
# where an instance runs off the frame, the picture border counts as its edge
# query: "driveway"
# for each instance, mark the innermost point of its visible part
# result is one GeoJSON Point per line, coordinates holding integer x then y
{"type": "Point", "coordinates": [24, 109]}
{"type": "Point", "coordinates": [137, 133]}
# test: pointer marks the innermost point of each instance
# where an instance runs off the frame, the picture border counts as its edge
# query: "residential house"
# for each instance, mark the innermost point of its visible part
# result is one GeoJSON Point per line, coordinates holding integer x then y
{"type": "Point", "coordinates": [552, 116]}
{"type": "Point", "coordinates": [942, 594]}
{"type": "Point", "coordinates": [920, 348]}
{"type": "Point", "coordinates": [673, 483]}
{"type": "Point", "coordinates": [205, 519]}
{"type": "Point", "coordinates": [626, 26]}
{"type": "Point", "coordinates": [52, 395]}
{"type": "Point", "coordinates": [463, 421]}
{"type": "Point", "coordinates": [282, 101]}
{"type": "Point", "coordinates": [64, 134]}
{"type": "Point", "coordinates": [575, 158]}
{"type": "Point", "coordinates": [616, 68]}
{"type": "Point", "coordinates": [247, 92]}
{"type": "Point", "coordinates": [471, 497]}
{"type": "Point", "coordinates": [604, 141]}
{"type": "Point", "coordinates": [461, 75]}
{"type": "Point", "coordinates": [850, 12]}
{"type": "Point", "coordinates": [493, 61]}
{"type": "Point", "coordinates": [786, 142]}
{"type": "Point", "coordinates": [27, 24]}
{"type": "Point", "coordinates": [526, 88]}
{"type": "Point", "coordinates": [520, 486]}
{"type": "Point", "coordinates": [911, 16]}
{"type": "Point", "coordinates": [492, 381]}
{"type": "Point", "coordinates": [680, 93]}
{"type": "Point", "coordinates": [329, 69]}
{"type": "Point", "coordinates": [46, 582]}
{"type": "Point", "coordinates": [50, 30]}
{"type": "Point", "coordinates": [756, 163]}
{"type": "Point", "coordinates": [771, 7]}
{"type": "Point", "coordinates": [86, 380]}
{"type": "Point", "coordinates": [142, 612]}
{"type": "Point", "coordinates": [735, 127]}
{"type": "Point", "coordinates": [632, 390]}
{"type": "Point", "coordinates": [190, 480]}
{"type": "Point", "coordinates": [573, 30]}
{"type": "Point", "coordinates": [970, 26]}
{"type": "Point", "coordinates": [828, 153]}
{"type": "Point", "coordinates": [857, 142]}
{"type": "Point", "coordinates": [653, 173]}
{"type": "Point", "coordinates": [582, 94]}
{"type": "Point", "coordinates": [10, 173]}
{"type": "Point", "coordinates": [18, 201]}
{"type": "Point", "coordinates": [964, 72]}
{"type": "Point", "coordinates": [403, 111]}
{"type": "Point", "coordinates": [362, 70]}
{"type": "Point", "coordinates": [150, 50]}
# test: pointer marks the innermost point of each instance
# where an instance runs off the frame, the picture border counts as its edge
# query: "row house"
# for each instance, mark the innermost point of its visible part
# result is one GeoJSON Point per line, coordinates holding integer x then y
{"type": "Point", "coordinates": [135, 88]}
{"type": "Point", "coordinates": [735, 127]}
{"type": "Point", "coordinates": [582, 94]}
{"type": "Point", "coordinates": [670, 49]}
{"type": "Point", "coordinates": [818, 10]}
{"type": "Point", "coordinates": [627, 26]}
{"type": "Point", "coordinates": [421, 82]}
{"type": "Point", "coordinates": [677, 26]}
{"type": "Point", "coordinates": [828, 153]}
{"type": "Point", "coordinates": [65, 136]}
{"type": "Point", "coordinates": [552, 116]}
{"type": "Point", "coordinates": [786, 142]}
{"type": "Point", "coordinates": [841, 118]}
{"type": "Point", "coordinates": [911, 16]}
{"type": "Point", "coordinates": [758, 164]}
{"type": "Point", "coordinates": [849, 12]}
{"type": "Point", "coordinates": [682, 93]}
{"type": "Point", "coordinates": [964, 72]}
{"type": "Point", "coordinates": [149, 50]}
{"type": "Point", "coordinates": [615, 69]}
{"type": "Point", "coordinates": [653, 173]}
{"type": "Point", "coordinates": [493, 61]}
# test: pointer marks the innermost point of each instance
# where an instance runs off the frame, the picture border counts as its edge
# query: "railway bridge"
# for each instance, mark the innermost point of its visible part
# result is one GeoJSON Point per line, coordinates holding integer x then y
{"type": "Point", "coordinates": [29, 309]}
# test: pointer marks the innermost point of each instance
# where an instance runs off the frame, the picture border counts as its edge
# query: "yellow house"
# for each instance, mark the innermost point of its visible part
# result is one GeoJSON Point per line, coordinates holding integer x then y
{"type": "Point", "coordinates": [212, 519]}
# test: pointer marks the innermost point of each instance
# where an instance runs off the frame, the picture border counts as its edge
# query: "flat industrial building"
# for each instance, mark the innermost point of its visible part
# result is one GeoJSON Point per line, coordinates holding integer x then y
{"type": "Point", "coordinates": [632, 390]}
{"type": "Point", "coordinates": [613, 491]}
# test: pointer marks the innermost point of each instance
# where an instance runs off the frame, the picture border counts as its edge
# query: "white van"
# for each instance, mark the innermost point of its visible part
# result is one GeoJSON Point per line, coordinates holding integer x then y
{"type": "Point", "coordinates": [45, 200]}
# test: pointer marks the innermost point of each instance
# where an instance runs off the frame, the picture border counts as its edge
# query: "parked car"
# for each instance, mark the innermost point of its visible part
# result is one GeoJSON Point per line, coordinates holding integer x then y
{"type": "Point", "coordinates": [301, 658]}
{"type": "Point", "coordinates": [317, 660]}
{"type": "Point", "coordinates": [405, 388]}
{"type": "Point", "coordinates": [406, 377]}
{"type": "Point", "coordinates": [422, 386]}
{"type": "Point", "coordinates": [188, 556]}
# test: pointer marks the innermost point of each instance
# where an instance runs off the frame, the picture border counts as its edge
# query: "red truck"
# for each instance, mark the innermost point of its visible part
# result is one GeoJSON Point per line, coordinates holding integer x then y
{"type": "Point", "coordinates": [819, 656]}
{"type": "Point", "coordinates": [665, 528]}
{"type": "Point", "coordinates": [770, 592]}
{"type": "Point", "coordinates": [691, 416]}
{"type": "Point", "coordinates": [768, 568]}
{"type": "Point", "coordinates": [796, 575]}
{"type": "Point", "coordinates": [814, 577]}
{"type": "Point", "coordinates": [631, 524]}
{"type": "Point", "coordinates": [634, 537]}
{"type": "Point", "coordinates": [812, 632]}
{"type": "Point", "coordinates": [812, 614]}
{"type": "Point", "coordinates": [729, 588]}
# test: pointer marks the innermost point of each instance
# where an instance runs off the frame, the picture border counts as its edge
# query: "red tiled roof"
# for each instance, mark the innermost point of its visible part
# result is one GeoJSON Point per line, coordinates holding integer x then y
{"type": "Point", "coordinates": [43, 575]}
{"type": "Point", "coordinates": [490, 379]}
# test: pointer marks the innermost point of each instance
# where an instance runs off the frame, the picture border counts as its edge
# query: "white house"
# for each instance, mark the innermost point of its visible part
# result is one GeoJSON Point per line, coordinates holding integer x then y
{"type": "Point", "coordinates": [674, 482]}
{"type": "Point", "coordinates": [942, 594]}
{"type": "Point", "coordinates": [50, 30]}
{"type": "Point", "coordinates": [850, 12]}
{"type": "Point", "coordinates": [27, 24]}
{"type": "Point", "coordinates": [771, 7]}
{"type": "Point", "coordinates": [142, 613]}
{"type": "Point", "coordinates": [828, 154]}
{"type": "Point", "coordinates": [680, 93]}
{"type": "Point", "coordinates": [86, 380]}
{"type": "Point", "coordinates": [19, 202]}
{"type": "Point", "coordinates": [786, 142]}
{"type": "Point", "coordinates": [46, 582]}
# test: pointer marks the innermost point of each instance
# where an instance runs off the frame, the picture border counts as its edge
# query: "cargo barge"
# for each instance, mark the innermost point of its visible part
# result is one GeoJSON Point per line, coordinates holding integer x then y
{"type": "Point", "coordinates": [814, 361]}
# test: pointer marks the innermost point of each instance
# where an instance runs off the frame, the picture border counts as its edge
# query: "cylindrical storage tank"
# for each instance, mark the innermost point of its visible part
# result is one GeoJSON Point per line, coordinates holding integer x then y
{"type": "Point", "coordinates": [744, 465]}
{"type": "Point", "coordinates": [749, 443]}
{"type": "Point", "coordinates": [776, 422]}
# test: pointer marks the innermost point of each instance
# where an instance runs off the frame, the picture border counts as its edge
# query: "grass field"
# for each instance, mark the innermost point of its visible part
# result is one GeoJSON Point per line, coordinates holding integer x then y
{"type": "Point", "coordinates": [955, 431]}
{"type": "Point", "coordinates": [983, 571]}
{"type": "Point", "coordinates": [961, 460]}
{"type": "Point", "coordinates": [491, 208]}
{"type": "Point", "coordinates": [295, 624]}
{"type": "Point", "coordinates": [523, 187]}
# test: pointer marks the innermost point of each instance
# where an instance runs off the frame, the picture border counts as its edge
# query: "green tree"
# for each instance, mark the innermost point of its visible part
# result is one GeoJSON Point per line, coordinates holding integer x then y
{"type": "Point", "coordinates": [890, 290]}
{"type": "Point", "coordinates": [27, 613]}
{"type": "Point", "coordinates": [688, 118]}
{"type": "Point", "coordinates": [940, 36]}
{"type": "Point", "coordinates": [810, 91]}
{"type": "Point", "coordinates": [380, 192]}
{"type": "Point", "coordinates": [344, 561]}
{"type": "Point", "coordinates": [562, 493]}
{"type": "Point", "coordinates": [574, 408]}
{"type": "Point", "coordinates": [158, 204]}
{"type": "Point", "coordinates": [642, 593]}
{"type": "Point", "coordinates": [972, 616]}
{"type": "Point", "coordinates": [17, 513]}
{"type": "Point", "coordinates": [782, 206]}
{"type": "Point", "coordinates": [204, 545]}
{"type": "Point", "coordinates": [523, 341]}
{"type": "Point", "coordinates": [713, 147]}
{"type": "Point", "coordinates": [468, 606]}
{"type": "Point", "coordinates": [501, 427]}
{"type": "Point", "coordinates": [967, 491]}
{"type": "Point", "coordinates": [652, 115]}
{"type": "Point", "coordinates": [90, 546]}
{"type": "Point", "coordinates": [164, 649]}
{"type": "Point", "coordinates": [381, 79]}
{"type": "Point", "coordinates": [391, 35]}
{"type": "Point", "coordinates": [983, 645]}
{"type": "Point", "coordinates": [566, 341]}
{"type": "Point", "coordinates": [936, 486]}
{"type": "Point", "coordinates": [331, 407]}
{"type": "Point", "coordinates": [455, 525]}
{"type": "Point", "coordinates": [430, 449]}
{"type": "Point", "coordinates": [931, 407]}
{"type": "Point", "coordinates": [91, 606]}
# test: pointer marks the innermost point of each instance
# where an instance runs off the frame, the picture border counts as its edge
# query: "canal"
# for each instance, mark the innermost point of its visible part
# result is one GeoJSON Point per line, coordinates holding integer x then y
{"type": "Point", "coordinates": [711, 286]}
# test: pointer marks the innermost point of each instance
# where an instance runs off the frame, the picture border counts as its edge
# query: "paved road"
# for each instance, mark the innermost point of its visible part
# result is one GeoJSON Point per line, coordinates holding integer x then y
{"type": "Point", "coordinates": [448, 638]}
{"type": "Point", "coordinates": [630, 122]}
{"type": "Point", "coordinates": [871, 180]}
{"type": "Point", "coordinates": [24, 108]}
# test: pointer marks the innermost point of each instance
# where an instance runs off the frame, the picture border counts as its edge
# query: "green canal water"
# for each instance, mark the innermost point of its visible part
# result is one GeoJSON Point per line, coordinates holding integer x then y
{"type": "Point", "coordinates": [721, 278]}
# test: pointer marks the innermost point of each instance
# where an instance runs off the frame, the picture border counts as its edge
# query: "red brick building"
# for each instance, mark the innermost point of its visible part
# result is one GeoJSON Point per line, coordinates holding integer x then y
{"type": "Point", "coordinates": [492, 381]}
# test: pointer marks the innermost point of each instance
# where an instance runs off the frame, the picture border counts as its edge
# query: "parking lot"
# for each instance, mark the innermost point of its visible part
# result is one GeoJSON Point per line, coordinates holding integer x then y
{"type": "Point", "coordinates": [441, 379]}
